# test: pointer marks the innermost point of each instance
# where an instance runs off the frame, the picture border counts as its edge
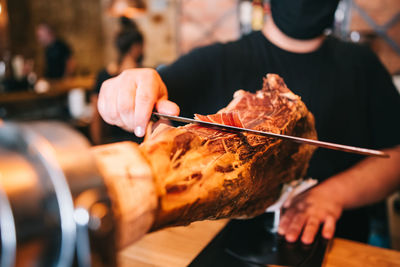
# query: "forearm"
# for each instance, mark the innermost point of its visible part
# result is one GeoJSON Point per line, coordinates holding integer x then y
{"type": "Point", "coordinates": [367, 182]}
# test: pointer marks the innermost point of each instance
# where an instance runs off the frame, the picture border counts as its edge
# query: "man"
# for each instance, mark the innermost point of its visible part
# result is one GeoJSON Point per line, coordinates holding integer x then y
{"type": "Point", "coordinates": [345, 86]}
{"type": "Point", "coordinates": [57, 53]}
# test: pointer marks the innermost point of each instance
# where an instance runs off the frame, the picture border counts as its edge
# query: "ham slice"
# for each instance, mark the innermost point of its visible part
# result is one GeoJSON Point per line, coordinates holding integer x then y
{"type": "Point", "coordinates": [226, 118]}
{"type": "Point", "coordinates": [202, 173]}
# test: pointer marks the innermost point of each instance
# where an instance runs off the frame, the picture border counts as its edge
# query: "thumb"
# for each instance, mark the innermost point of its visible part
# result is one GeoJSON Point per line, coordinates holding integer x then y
{"type": "Point", "coordinates": [167, 107]}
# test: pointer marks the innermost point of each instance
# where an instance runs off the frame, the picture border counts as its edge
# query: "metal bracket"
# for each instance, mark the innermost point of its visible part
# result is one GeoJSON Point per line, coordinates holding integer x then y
{"type": "Point", "coordinates": [381, 30]}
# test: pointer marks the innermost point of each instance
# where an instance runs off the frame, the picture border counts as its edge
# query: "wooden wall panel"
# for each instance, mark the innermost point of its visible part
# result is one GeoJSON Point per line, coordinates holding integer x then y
{"type": "Point", "coordinates": [76, 21]}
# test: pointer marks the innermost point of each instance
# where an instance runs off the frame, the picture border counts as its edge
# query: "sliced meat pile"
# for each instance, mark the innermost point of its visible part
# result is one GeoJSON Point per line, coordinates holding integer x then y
{"type": "Point", "coordinates": [202, 173]}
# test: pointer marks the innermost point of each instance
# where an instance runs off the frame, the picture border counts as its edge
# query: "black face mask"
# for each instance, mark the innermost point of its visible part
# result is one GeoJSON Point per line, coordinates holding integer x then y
{"type": "Point", "coordinates": [303, 19]}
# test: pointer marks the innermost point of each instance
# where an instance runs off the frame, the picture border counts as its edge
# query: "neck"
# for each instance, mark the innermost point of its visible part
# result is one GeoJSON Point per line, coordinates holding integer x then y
{"type": "Point", "coordinates": [281, 40]}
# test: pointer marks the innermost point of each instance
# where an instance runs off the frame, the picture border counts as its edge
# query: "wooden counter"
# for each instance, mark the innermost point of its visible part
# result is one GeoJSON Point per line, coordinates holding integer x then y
{"type": "Point", "coordinates": [349, 253]}
{"type": "Point", "coordinates": [53, 104]}
{"type": "Point", "coordinates": [57, 88]}
{"type": "Point", "coordinates": [178, 246]}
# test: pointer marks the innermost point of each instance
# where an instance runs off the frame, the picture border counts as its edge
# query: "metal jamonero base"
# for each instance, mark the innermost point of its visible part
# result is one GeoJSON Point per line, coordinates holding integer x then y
{"type": "Point", "coordinates": [48, 177]}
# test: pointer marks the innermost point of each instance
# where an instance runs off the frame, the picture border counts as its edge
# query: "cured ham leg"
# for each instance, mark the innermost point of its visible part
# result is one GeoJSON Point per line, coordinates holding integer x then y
{"type": "Point", "coordinates": [202, 173]}
{"type": "Point", "coordinates": [180, 175]}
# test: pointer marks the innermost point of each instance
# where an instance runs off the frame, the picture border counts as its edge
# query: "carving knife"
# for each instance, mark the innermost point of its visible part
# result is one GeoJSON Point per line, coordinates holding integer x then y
{"type": "Point", "coordinates": [301, 140]}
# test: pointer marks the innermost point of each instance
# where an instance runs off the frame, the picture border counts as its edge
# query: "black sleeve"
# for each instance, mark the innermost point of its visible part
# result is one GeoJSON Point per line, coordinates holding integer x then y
{"type": "Point", "coordinates": [101, 77]}
{"type": "Point", "coordinates": [383, 104]}
{"type": "Point", "coordinates": [191, 77]}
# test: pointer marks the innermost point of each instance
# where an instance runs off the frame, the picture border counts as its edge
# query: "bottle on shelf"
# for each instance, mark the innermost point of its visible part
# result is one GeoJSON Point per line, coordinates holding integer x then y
{"type": "Point", "coordinates": [257, 21]}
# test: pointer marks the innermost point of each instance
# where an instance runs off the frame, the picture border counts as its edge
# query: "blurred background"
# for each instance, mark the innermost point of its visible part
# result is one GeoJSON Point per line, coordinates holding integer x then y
{"type": "Point", "coordinates": [55, 54]}
{"type": "Point", "coordinates": [83, 37]}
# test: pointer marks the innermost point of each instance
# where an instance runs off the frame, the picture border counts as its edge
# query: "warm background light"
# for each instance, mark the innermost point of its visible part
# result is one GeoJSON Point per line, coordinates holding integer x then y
{"type": "Point", "coordinates": [127, 8]}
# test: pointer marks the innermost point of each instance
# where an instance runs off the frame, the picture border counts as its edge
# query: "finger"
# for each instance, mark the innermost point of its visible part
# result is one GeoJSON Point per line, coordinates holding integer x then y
{"type": "Point", "coordinates": [150, 89]}
{"type": "Point", "coordinates": [285, 221]}
{"type": "Point", "coordinates": [295, 227]}
{"type": "Point", "coordinates": [144, 103]}
{"type": "Point", "coordinates": [101, 103]}
{"type": "Point", "coordinates": [125, 107]}
{"type": "Point", "coordinates": [310, 230]}
{"type": "Point", "coordinates": [163, 92]}
{"type": "Point", "coordinates": [167, 107]}
{"type": "Point", "coordinates": [329, 227]}
{"type": "Point", "coordinates": [107, 104]}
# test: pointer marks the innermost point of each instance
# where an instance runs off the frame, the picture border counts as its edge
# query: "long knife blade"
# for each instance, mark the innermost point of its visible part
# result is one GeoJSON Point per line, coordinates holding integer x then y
{"type": "Point", "coordinates": [301, 140]}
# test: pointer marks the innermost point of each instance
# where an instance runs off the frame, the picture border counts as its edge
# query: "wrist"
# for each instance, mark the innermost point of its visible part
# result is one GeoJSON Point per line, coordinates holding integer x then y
{"type": "Point", "coordinates": [331, 189]}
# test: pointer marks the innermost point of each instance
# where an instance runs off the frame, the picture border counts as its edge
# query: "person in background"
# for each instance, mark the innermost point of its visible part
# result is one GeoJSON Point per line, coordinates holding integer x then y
{"type": "Point", "coordinates": [344, 85]}
{"type": "Point", "coordinates": [58, 59]}
{"type": "Point", "coordinates": [129, 43]}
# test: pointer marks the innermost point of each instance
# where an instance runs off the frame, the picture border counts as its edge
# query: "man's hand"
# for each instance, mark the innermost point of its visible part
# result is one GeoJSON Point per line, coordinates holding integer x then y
{"type": "Point", "coordinates": [129, 99]}
{"type": "Point", "coordinates": [307, 211]}
{"type": "Point", "coordinates": [369, 181]}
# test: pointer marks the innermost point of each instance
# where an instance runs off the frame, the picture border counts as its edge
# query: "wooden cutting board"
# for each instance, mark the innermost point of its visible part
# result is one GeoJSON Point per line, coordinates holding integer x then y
{"type": "Point", "coordinates": [178, 246]}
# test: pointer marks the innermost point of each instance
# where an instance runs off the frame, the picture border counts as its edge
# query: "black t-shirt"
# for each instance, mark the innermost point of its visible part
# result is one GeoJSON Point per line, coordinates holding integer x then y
{"type": "Point", "coordinates": [57, 55]}
{"type": "Point", "coordinates": [344, 85]}
{"type": "Point", "coordinates": [102, 76]}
